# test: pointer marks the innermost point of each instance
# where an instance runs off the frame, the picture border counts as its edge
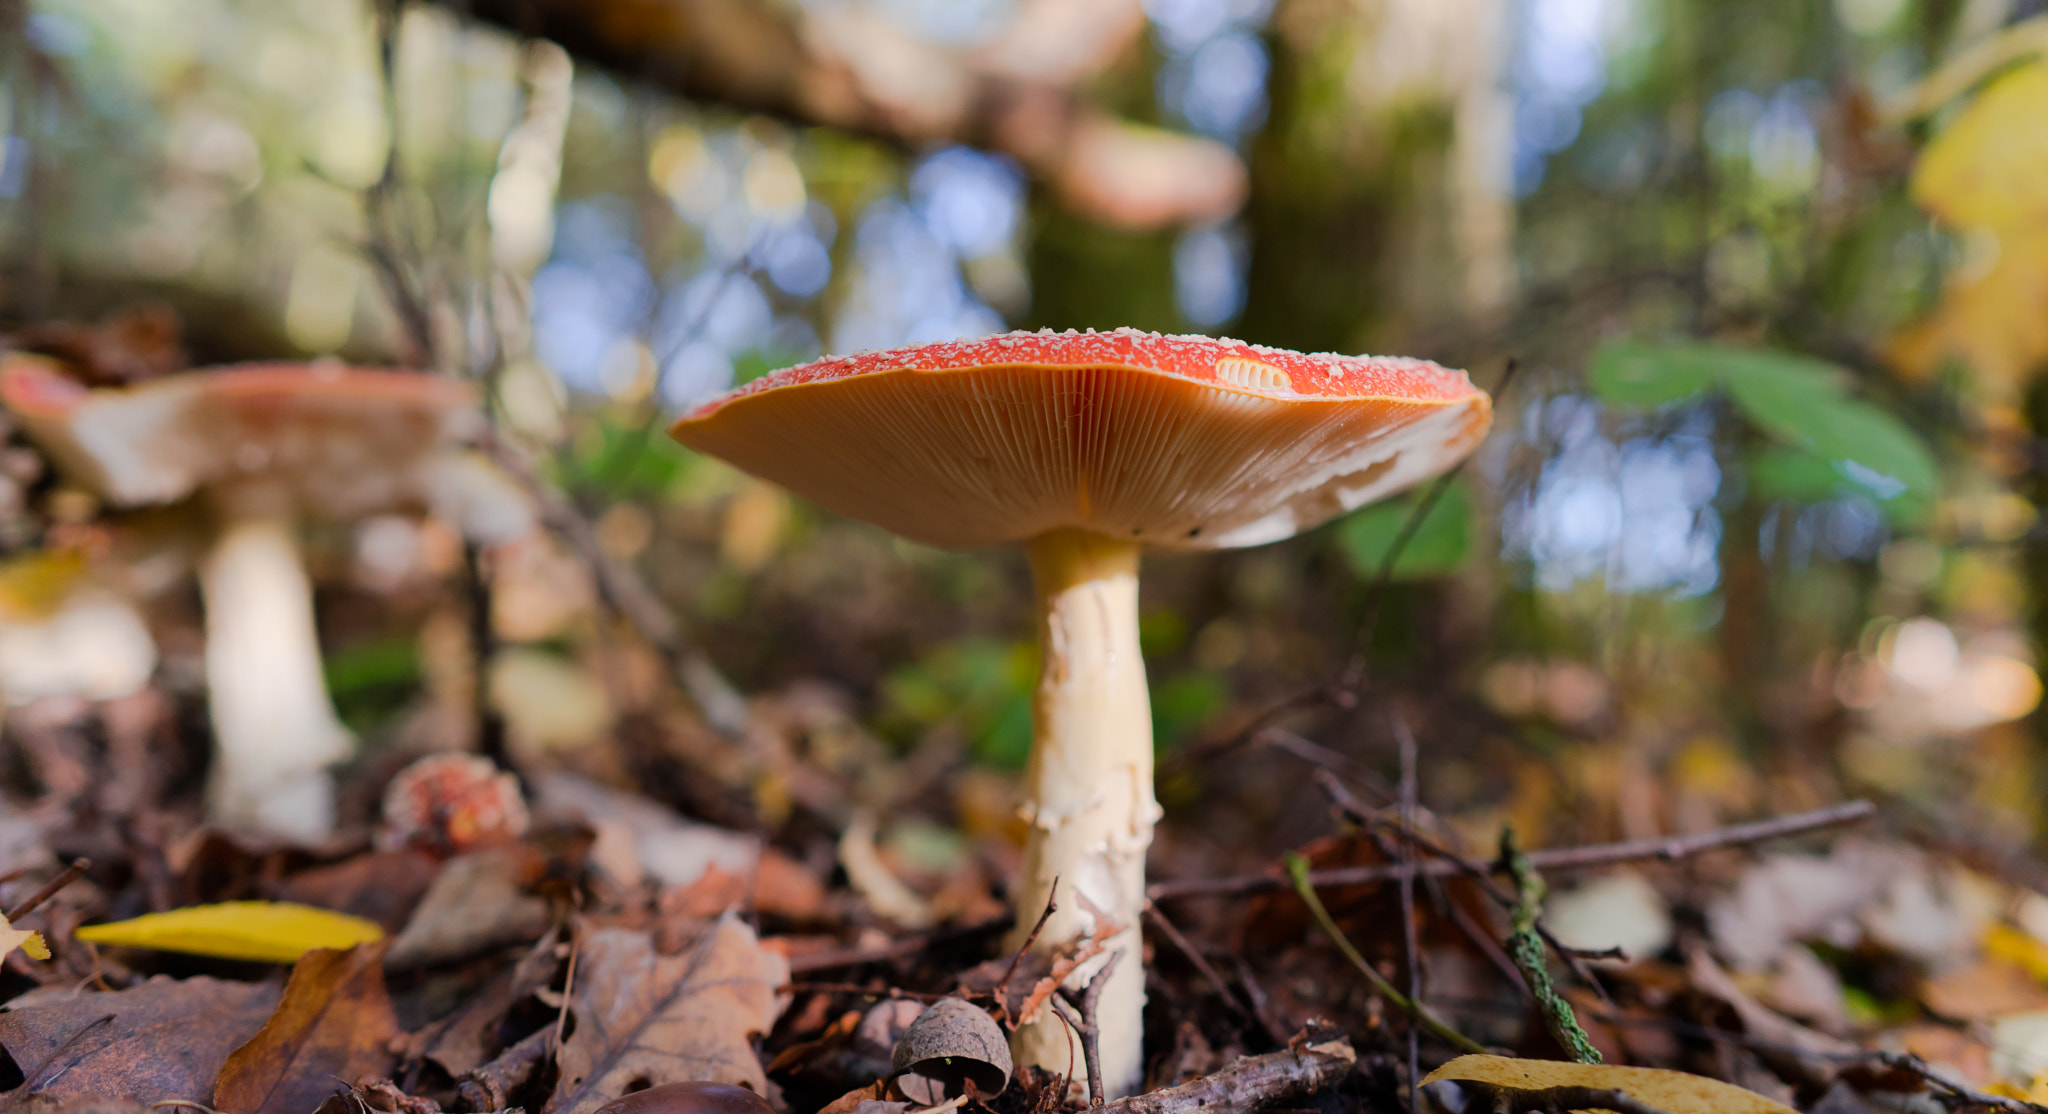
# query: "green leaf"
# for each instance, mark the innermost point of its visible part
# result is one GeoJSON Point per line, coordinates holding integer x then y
{"type": "Point", "coordinates": [1184, 703]}
{"type": "Point", "coordinates": [1796, 398]}
{"type": "Point", "coordinates": [1648, 375]}
{"type": "Point", "coordinates": [1780, 473]}
{"type": "Point", "coordinates": [1438, 547]}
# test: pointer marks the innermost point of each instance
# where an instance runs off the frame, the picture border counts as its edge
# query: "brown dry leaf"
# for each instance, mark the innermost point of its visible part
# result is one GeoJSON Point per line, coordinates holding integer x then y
{"type": "Point", "coordinates": [381, 886]}
{"type": "Point", "coordinates": [333, 1027]}
{"type": "Point", "coordinates": [477, 903]}
{"type": "Point", "coordinates": [644, 1019]}
{"type": "Point", "coordinates": [1673, 1092]}
{"type": "Point", "coordinates": [1984, 990]}
{"type": "Point", "coordinates": [165, 1039]}
{"type": "Point", "coordinates": [469, 1040]}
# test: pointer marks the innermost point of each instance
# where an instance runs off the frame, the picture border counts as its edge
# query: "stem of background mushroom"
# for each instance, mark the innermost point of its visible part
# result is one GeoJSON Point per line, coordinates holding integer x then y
{"type": "Point", "coordinates": [1089, 789]}
{"type": "Point", "coordinates": [275, 731]}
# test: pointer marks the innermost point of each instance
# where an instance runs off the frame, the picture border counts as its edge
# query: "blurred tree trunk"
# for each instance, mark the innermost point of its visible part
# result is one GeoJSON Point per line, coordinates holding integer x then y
{"type": "Point", "coordinates": [1379, 185]}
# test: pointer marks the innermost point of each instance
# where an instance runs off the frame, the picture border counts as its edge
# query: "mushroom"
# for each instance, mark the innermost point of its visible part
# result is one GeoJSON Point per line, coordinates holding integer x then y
{"type": "Point", "coordinates": [266, 446]}
{"type": "Point", "coordinates": [1085, 448]}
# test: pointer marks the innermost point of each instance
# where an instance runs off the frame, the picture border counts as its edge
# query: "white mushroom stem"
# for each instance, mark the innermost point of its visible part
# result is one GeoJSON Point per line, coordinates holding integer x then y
{"type": "Point", "coordinates": [1089, 792]}
{"type": "Point", "coordinates": [275, 730]}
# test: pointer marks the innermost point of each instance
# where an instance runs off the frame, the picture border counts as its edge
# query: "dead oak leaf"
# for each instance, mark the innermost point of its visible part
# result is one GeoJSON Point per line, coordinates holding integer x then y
{"type": "Point", "coordinates": [333, 1027]}
{"type": "Point", "coordinates": [164, 1039]}
{"type": "Point", "coordinates": [643, 1019]}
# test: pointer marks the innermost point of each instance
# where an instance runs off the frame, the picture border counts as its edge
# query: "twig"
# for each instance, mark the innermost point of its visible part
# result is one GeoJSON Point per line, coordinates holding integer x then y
{"type": "Point", "coordinates": [1480, 873]}
{"type": "Point", "coordinates": [1527, 949]}
{"type": "Point", "coordinates": [1249, 1082]}
{"type": "Point", "coordinates": [1549, 860]}
{"type": "Point", "coordinates": [69, 875]}
{"type": "Point", "coordinates": [897, 949]}
{"type": "Point", "coordinates": [1411, 948]}
{"type": "Point", "coordinates": [568, 991]}
{"type": "Point", "coordinates": [1297, 868]}
{"type": "Point", "coordinates": [1002, 990]}
{"type": "Point", "coordinates": [1085, 1022]}
{"type": "Point", "coordinates": [624, 591]}
{"type": "Point", "coordinates": [1961, 1092]}
{"type": "Point", "coordinates": [889, 992]}
{"type": "Point", "coordinates": [1187, 949]}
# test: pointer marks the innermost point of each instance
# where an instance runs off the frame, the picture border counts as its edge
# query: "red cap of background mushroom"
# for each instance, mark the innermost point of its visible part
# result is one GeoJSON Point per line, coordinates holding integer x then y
{"type": "Point", "coordinates": [1176, 442]}
{"type": "Point", "coordinates": [1085, 447]}
{"type": "Point", "coordinates": [266, 444]}
{"type": "Point", "coordinates": [332, 440]}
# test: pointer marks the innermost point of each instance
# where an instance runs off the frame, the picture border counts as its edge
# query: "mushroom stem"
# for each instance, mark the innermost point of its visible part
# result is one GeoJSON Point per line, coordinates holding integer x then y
{"type": "Point", "coordinates": [275, 731]}
{"type": "Point", "coordinates": [1089, 791]}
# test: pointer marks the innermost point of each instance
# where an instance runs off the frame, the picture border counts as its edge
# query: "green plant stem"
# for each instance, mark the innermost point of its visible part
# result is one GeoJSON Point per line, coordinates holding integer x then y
{"type": "Point", "coordinates": [1297, 869]}
{"type": "Point", "coordinates": [1525, 946]}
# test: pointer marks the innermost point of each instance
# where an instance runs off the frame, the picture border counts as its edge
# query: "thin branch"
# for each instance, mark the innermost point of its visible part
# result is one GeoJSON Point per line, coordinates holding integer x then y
{"type": "Point", "coordinates": [1480, 873]}
{"type": "Point", "coordinates": [1187, 949]}
{"type": "Point", "coordinates": [1549, 860]}
{"type": "Point", "coordinates": [69, 875]}
{"type": "Point", "coordinates": [1002, 991]}
{"type": "Point", "coordinates": [1297, 868]}
{"type": "Point", "coordinates": [1249, 1082]}
{"type": "Point", "coordinates": [1410, 946]}
{"type": "Point", "coordinates": [1086, 1021]}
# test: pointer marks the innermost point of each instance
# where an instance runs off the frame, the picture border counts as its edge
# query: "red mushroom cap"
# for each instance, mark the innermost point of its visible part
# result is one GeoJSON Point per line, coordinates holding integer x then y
{"type": "Point", "coordinates": [327, 438]}
{"type": "Point", "coordinates": [1177, 442]}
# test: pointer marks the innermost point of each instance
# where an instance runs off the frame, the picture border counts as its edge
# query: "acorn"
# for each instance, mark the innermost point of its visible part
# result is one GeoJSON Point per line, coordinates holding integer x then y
{"type": "Point", "coordinates": [695, 1097]}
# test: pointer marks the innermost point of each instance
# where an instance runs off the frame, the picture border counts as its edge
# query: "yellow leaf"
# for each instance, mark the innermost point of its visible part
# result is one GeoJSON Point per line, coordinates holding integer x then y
{"type": "Point", "coordinates": [29, 942]}
{"type": "Point", "coordinates": [264, 931]}
{"type": "Point", "coordinates": [1995, 321]}
{"type": "Point", "coordinates": [2016, 947]}
{"type": "Point", "coordinates": [32, 587]}
{"type": "Point", "coordinates": [1986, 167]}
{"type": "Point", "coordinates": [1673, 1092]}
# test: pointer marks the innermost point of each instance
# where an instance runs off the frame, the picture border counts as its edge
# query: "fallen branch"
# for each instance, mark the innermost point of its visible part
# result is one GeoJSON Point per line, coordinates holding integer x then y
{"type": "Point", "coordinates": [1248, 1082]}
{"type": "Point", "coordinates": [1550, 860]}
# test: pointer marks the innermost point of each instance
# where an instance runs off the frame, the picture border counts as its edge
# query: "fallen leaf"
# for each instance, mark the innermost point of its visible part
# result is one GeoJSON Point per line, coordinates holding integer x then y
{"type": "Point", "coordinates": [2018, 948]}
{"type": "Point", "coordinates": [1983, 990]}
{"type": "Point", "coordinates": [164, 1039]}
{"type": "Point", "coordinates": [334, 1025]}
{"type": "Point", "coordinates": [381, 886]}
{"type": "Point", "coordinates": [28, 940]}
{"type": "Point", "coordinates": [471, 1037]}
{"type": "Point", "coordinates": [263, 931]}
{"type": "Point", "coordinates": [644, 1019]}
{"type": "Point", "coordinates": [1673, 1092]}
{"type": "Point", "coordinates": [476, 903]}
